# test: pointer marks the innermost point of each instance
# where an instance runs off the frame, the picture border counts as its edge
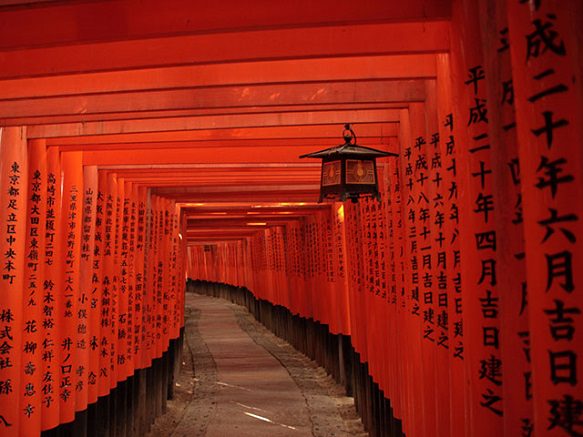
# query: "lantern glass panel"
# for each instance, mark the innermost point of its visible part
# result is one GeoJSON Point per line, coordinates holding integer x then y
{"type": "Point", "coordinates": [360, 172]}
{"type": "Point", "coordinates": [331, 172]}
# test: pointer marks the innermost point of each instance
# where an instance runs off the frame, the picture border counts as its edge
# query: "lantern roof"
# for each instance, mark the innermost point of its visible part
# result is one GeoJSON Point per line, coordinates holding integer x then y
{"type": "Point", "coordinates": [349, 150]}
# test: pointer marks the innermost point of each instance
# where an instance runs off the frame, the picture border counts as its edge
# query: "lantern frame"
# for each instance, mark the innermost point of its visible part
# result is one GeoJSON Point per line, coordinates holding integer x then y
{"type": "Point", "coordinates": [343, 182]}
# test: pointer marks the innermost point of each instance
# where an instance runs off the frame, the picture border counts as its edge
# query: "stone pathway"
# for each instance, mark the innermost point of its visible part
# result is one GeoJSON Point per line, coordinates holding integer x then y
{"type": "Point", "coordinates": [240, 380]}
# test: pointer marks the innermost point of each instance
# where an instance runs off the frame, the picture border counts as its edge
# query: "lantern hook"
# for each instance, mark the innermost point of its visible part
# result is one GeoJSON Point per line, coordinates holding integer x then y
{"type": "Point", "coordinates": [348, 134]}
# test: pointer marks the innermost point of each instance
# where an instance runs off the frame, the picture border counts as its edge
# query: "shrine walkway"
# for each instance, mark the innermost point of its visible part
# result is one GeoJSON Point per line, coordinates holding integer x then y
{"type": "Point", "coordinates": [248, 382]}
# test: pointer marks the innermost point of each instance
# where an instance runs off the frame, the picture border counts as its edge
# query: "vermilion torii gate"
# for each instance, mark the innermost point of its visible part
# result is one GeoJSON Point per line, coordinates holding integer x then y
{"type": "Point", "coordinates": [146, 142]}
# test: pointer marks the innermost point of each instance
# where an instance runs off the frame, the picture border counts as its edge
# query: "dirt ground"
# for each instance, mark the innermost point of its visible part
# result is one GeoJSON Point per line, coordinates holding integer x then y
{"type": "Point", "coordinates": [261, 386]}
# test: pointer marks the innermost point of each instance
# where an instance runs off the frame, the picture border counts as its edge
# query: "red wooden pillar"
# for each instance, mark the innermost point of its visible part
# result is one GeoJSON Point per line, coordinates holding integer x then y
{"type": "Point", "coordinates": [165, 268]}
{"type": "Point", "coordinates": [370, 256]}
{"type": "Point", "coordinates": [70, 363]}
{"type": "Point", "coordinates": [322, 281]}
{"type": "Point", "coordinates": [509, 246]}
{"type": "Point", "coordinates": [177, 273]}
{"type": "Point", "coordinates": [91, 251]}
{"type": "Point", "coordinates": [417, 204]}
{"type": "Point", "coordinates": [86, 311]}
{"type": "Point", "coordinates": [13, 204]}
{"type": "Point", "coordinates": [183, 263]}
{"type": "Point", "coordinates": [440, 260]}
{"type": "Point", "coordinates": [130, 204]}
{"type": "Point", "coordinates": [109, 285]}
{"type": "Point", "coordinates": [545, 47]}
{"type": "Point", "coordinates": [449, 158]}
{"type": "Point", "coordinates": [380, 292]}
{"type": "Point", "coordinates": [167, 307]}
{"type": "Point", "coordinates": [159, 278]}
{"type": "Point", "coordinates": [169, 293]}
{"type": "Point", "coordinates": [152, 291]}
{"type": "Point", "coordinates": [147, 292]}
{"type": "Point", "coordinates": [141, 279]}
{"type": "Point", "coordinates": [52, 295]}
{"type": "Point", "coordinates": [411, 330]}
{"type": "Point", "coordinates": [357, 326]}
{"type": "Point", "coordinates": [395, 285]}
{"type": "Point", "coordinates": [282, 264]}
{"type": "Point", "coordinates": [382, 266]}
{"type": "Point", "coordinates": [270, 274]}
{"type": "Point", "coordinates": [425, 204]}
{"type": "Point", "coordinates": [101, 288]}
{"type": "Point", "coordinates": [340, 252]}
{"type": "Point", "coordinates": [33, 331]}
{"type": "Point", "coordinates": [128, 242]}
{"type": "Point", "coordinates": [308, 268]}
{"type": "Point", "coordinates": [293, 266]}
{"type": "Point", "coordinates": [362, 297]}
{"type": "Point", "coordinates": [352, 270]}
{"type": "Point", "coordinates": [119, 298]}
{"type": "Point", "coordinates": [479, 208]}
{"type": "Point", "coordinates": [122, 244]}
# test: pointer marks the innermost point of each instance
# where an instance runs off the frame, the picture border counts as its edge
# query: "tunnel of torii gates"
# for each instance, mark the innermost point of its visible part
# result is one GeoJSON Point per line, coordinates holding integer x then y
{"type": "Point", "coordinates": [146, 142]}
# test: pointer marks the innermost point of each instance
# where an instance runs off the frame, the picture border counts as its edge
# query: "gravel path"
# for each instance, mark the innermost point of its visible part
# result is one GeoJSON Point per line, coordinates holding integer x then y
{"type": "Point", "coordinates": [238, 379]}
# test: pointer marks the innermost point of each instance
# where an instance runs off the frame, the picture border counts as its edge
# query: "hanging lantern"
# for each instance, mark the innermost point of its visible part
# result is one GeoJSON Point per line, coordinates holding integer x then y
{"type": "Point", "coordinates": [349, 171]}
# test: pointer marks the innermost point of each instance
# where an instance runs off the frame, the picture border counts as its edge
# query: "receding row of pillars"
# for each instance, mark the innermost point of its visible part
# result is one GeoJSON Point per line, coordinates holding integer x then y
{"type": "Point", "coordinates": [130, 409]}
{"type": "Point", "coordinates": [334, 352]}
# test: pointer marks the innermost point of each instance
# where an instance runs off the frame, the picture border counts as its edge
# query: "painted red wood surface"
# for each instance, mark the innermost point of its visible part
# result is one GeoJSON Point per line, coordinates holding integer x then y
{"type": "Point", "coordinates": [14, 183]}
{"type": "Point", "coordinates": [33, 332]}
{"type": "Point", "coordinates": [156, 152]}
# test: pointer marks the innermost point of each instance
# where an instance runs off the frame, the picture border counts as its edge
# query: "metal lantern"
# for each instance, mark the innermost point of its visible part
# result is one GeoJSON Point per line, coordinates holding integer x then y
{"type": "Point", "coordinates": [349, 171]}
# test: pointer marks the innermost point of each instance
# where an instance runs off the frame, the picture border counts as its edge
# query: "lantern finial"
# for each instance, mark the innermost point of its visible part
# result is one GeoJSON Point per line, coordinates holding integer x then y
{"type": "Point", "coordinates": [348, 134]}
